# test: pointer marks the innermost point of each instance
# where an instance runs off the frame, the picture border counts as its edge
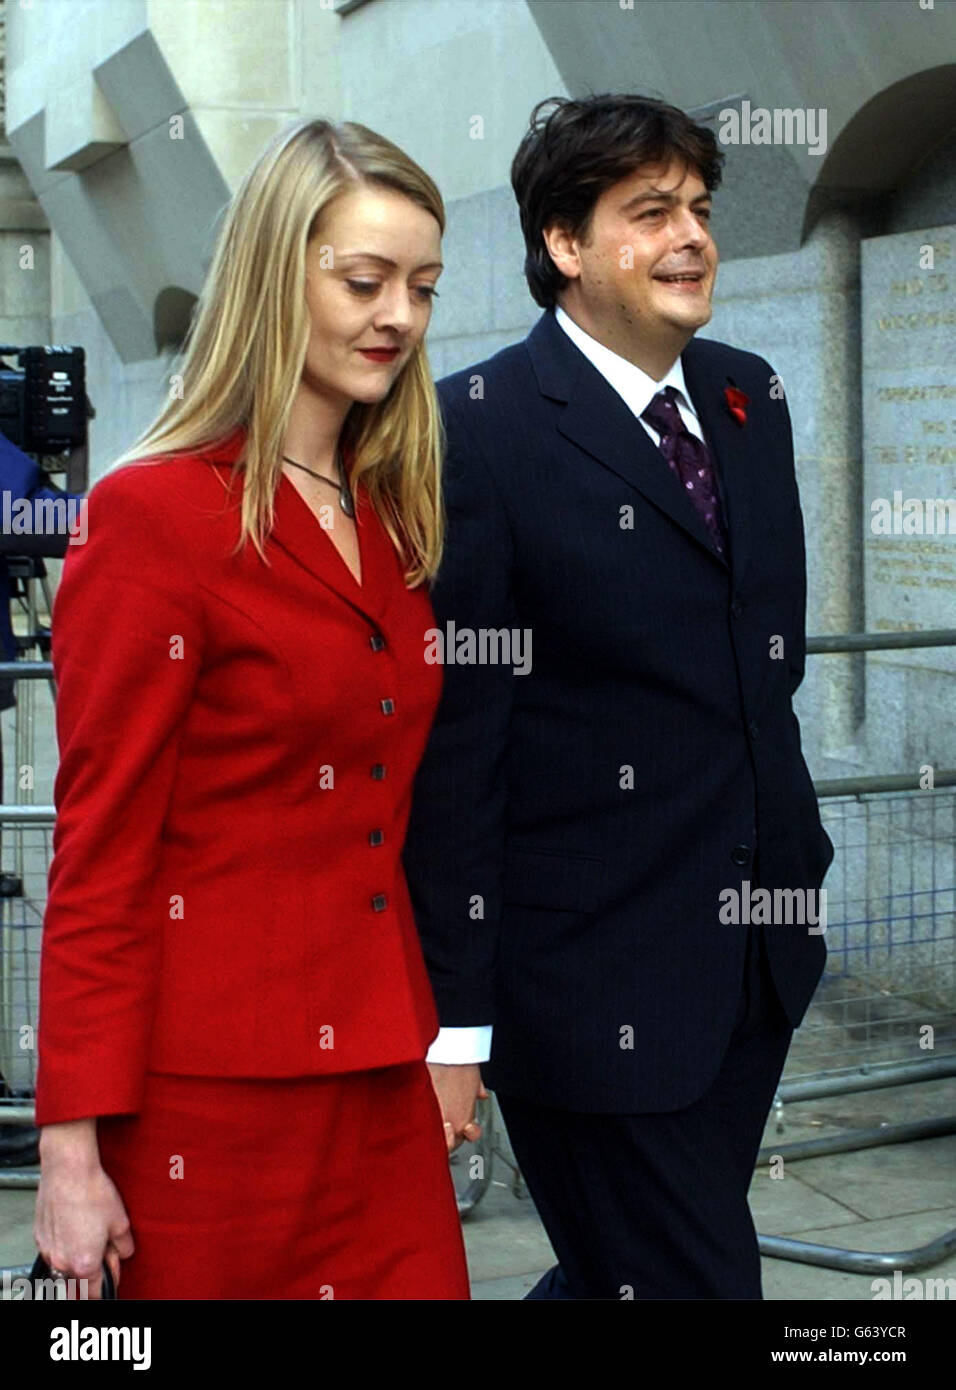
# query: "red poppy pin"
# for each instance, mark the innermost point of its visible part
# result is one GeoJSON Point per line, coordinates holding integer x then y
{"type": "Point", "coordinates": [737, 403]}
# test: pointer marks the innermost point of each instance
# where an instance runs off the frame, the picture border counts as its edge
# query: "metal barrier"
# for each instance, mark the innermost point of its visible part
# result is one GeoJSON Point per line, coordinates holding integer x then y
{"type": "Point", "coordinates": [888, 998]}
{"type": "Point", "coordinates": [25, 856]}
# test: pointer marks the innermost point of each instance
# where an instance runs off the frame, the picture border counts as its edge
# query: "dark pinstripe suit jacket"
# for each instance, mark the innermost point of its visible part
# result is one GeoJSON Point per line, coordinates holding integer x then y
{"type": "Point", "coordinates": [576, 830]}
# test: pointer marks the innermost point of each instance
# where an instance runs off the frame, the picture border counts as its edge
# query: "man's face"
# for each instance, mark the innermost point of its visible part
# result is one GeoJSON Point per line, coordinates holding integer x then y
{"type": "Point", "coordinates": [645, 230]}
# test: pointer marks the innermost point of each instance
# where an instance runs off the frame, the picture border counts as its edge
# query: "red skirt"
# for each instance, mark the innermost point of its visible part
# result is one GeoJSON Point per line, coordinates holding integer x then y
{"type": "Point", "coordinates": [287, 1188]}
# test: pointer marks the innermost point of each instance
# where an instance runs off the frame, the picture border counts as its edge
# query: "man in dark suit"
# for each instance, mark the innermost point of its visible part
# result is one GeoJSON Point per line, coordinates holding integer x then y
{"type": "Point", "coordinates": [590, 837]}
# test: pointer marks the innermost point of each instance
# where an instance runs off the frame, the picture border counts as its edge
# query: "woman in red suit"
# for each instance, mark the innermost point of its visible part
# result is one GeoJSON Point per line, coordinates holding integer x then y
{"type": "Point", "coordinates": [234, 1006]}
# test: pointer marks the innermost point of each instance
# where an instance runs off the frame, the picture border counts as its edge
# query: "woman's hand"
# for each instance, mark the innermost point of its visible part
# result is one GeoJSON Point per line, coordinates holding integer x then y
{"type": "Point", "coordinates": [80, 1217]}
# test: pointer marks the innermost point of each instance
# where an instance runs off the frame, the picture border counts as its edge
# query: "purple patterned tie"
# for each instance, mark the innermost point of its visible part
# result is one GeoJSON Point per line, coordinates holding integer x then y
{"type": "Point", "coordinates": [690, 460]}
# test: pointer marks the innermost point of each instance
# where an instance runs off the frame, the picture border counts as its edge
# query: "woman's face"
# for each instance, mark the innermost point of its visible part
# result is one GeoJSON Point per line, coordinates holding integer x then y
{"type": "Point", "coordinates": [371, 268]}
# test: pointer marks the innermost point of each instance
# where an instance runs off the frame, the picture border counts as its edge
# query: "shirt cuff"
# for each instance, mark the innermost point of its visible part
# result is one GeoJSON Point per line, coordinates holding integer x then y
{"type": "Point", "coordinates": [456, 1046]}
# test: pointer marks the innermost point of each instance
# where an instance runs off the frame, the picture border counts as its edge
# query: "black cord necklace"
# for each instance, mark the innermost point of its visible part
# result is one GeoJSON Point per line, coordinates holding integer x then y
{"type": "Point", "coordinates": [342, 488]}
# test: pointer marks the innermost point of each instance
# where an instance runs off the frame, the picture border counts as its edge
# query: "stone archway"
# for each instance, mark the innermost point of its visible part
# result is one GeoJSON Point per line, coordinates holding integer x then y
{"type": "Point", "coordinates": [879, 148]}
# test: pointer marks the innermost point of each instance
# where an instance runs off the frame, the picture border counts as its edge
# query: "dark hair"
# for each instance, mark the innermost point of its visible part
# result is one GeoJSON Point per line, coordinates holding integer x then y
{"type": "Point", "coordinates": [572, 153]}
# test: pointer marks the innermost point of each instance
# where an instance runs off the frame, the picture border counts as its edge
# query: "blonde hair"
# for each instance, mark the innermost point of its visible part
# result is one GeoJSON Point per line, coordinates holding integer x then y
{"type": "Point", "coordinates": [246, 348]}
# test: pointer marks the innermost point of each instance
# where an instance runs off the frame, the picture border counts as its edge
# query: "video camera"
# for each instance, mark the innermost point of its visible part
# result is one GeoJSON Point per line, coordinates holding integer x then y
{"type": "Point", "coordinates": [44, 408]}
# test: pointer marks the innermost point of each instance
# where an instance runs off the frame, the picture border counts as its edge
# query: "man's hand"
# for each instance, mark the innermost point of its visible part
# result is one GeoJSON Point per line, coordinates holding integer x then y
{"type": "Point", "coordinates": [458, 1087]}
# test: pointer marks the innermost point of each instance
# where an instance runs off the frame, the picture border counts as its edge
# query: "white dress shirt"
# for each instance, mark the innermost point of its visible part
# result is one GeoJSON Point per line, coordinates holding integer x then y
{"type": "Point", "coordinates": [637, 390]}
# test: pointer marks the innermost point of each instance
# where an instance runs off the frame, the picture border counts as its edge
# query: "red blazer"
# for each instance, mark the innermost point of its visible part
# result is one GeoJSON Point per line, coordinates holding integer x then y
{"type": "Point", "coordinates": [237, 749]}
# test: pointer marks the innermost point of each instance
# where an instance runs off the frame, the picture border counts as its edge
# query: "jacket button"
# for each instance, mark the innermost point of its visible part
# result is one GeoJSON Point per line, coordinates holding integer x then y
{"type": "Point", "coordinates": [740, 854]}
{"type": "Point", "coordinates": [380, 902]}
{"type": "Point", "coordinates": [737, 608]}
{"type": "Point", "coordinates": [388, 706]}
{"type": "Point", "coordinates": [377, 642]}
{"type": "Point", "coordinates": [754, 729]}
{"type": "Point", "coordinates": [376, 837]}
{"type": "Point", "coordinates": [378, 772]}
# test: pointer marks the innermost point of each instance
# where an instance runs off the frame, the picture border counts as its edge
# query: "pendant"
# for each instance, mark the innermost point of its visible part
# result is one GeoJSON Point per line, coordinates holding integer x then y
{"type": "Point", "coordinates": [346, 501]}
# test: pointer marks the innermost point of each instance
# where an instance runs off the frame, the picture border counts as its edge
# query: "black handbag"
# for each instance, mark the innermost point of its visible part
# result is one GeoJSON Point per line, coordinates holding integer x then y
{"type": "Point", "coordinates": [41, 1270]}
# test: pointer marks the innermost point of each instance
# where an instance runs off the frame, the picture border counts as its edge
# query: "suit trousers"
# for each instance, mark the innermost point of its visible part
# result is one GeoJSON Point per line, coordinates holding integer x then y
{"type": "Point", "coordinates": [655, 1205]}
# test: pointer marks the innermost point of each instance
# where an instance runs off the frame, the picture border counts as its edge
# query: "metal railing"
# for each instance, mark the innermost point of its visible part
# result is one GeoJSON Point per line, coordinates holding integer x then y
{"type": "Point", "coordinates": [891, 967]}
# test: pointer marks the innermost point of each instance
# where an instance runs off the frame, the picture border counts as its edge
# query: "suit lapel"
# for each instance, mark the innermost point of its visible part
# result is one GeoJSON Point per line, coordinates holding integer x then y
{"type": "Point", "coordinates": [299, 533]}
{"type": "Point", "coordinates": [732, 448]}
{"type": "Point", "coordinates": [596, 419]}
